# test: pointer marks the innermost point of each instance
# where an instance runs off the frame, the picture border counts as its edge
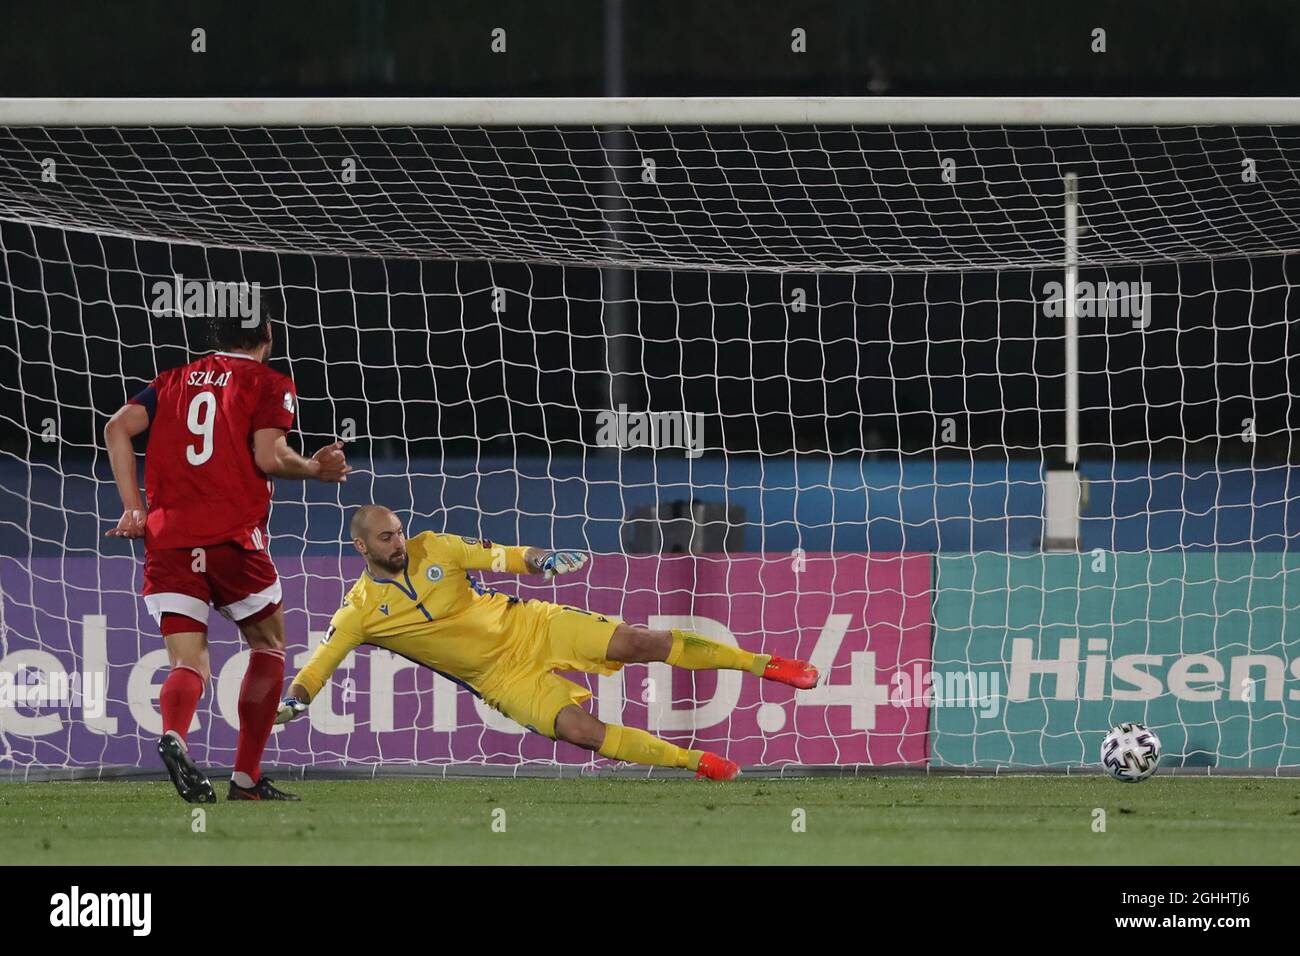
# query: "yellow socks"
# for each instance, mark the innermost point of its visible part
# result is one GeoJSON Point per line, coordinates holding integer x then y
{"type": "Point", "coordinates": [637, 746]}
{"type": "Point", "coordinates": [694, 652]}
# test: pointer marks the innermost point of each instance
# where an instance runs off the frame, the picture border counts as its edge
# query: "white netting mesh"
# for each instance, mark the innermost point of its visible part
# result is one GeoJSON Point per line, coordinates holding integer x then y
{"type": "Point", "coordinates": [867, 333]}
{"type": "Point", "coordinates": [808, 199]}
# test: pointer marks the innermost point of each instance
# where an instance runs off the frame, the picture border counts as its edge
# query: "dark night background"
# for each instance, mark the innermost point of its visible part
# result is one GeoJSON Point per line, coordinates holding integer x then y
{"type": "Point", "coordinates": [925, 299]}
{"type": "Point", "coordinates": [730, 47]}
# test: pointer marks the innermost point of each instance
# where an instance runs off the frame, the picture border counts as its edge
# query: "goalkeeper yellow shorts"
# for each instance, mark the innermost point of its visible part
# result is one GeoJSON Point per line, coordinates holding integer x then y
{"type": "Point", "coordinates": [551, 637]}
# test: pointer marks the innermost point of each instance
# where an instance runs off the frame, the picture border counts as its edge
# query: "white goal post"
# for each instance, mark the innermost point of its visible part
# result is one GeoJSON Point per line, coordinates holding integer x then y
{"type": "Point", "coordinates": [648, 110]}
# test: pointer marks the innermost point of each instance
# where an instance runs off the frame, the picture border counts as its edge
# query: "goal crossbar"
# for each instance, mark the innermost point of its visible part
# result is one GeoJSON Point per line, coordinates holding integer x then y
{"type": "Point", "coordinates": [653, 110]}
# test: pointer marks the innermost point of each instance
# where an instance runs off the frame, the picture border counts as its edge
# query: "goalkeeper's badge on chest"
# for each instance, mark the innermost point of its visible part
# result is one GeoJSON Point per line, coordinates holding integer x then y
{"type": "Point", "coordinates": [434, 573]}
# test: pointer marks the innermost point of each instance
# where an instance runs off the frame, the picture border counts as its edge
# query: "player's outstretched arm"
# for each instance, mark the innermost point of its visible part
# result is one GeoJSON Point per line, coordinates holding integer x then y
{"type": "Point", "coordinates": [293, 705]}
{"type": "Point", "coordinates": [513, 559]}
{"type": "Point", "coordinates": [127, 422]}
{"type": "Point", "coordinates": [551, 563]}
{"type": "Point", "coordinates": [273, 455]}
{"type": "Point", "coordinates": [315, 674]}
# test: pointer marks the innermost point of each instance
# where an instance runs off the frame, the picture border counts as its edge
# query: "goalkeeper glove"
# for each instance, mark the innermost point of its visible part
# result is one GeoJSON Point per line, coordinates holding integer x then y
{"type": "Point", "coordinates": [561, 562]}
{"type": "Point", "coordinates": [290, 708]}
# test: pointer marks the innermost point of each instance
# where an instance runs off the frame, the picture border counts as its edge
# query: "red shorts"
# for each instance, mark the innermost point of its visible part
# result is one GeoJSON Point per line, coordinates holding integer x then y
{"type": "Point", "coordinates": [185, 581]}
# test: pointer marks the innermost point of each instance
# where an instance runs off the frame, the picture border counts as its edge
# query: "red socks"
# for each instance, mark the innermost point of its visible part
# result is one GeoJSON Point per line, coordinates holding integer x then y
{"type": "Point", "coordinates": [259, 699]}
{"type": "Point", "coordinates": [179, 699]}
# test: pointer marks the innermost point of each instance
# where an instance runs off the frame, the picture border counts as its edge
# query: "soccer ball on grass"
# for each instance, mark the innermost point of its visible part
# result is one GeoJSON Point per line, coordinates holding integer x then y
{"type": "Point", "coordinates": [1130, 752]}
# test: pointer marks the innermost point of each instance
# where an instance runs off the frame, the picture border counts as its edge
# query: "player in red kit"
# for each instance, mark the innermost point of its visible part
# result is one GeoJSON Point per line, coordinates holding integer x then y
{"type": "Point", "coordinates": [216, 436]}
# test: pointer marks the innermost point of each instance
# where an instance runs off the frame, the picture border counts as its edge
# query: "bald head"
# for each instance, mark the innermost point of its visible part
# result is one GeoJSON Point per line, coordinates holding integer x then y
{"type": "Point", "coordinates": [366, 517]}
{"type": "Point", "coordinates": [377, 534]}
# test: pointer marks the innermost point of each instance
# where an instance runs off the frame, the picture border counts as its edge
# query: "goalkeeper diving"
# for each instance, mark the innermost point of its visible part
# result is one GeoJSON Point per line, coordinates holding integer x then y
{"type": "Point", "coordinates": [417, 599]}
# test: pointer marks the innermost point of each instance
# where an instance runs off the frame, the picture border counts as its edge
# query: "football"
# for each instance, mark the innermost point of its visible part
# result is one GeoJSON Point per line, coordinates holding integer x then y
{"type": "Point", "coordinates": [1130, 752]}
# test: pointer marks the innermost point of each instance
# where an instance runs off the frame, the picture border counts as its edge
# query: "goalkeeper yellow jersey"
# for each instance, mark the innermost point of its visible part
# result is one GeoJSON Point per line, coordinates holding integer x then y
{"type": "Point", "coordinates": [434, 613]}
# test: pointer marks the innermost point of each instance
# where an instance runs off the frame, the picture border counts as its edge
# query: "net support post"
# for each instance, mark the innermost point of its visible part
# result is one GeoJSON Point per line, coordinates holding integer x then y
{"type": "Point", "coordinates": [1063, 492]}
{"type": "Point", "coordinates": [1071, 319]}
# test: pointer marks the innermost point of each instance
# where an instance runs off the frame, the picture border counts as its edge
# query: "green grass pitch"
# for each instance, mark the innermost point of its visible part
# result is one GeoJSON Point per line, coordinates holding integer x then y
{"type": "Point", "coordinates": [885, 819]}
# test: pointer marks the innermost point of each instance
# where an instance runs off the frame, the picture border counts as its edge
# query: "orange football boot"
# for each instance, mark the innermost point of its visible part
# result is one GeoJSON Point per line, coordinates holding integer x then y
{"type": "Point", "coordinates": [713, 767]}
{"type": "Point", "coordinates": [796, 673]}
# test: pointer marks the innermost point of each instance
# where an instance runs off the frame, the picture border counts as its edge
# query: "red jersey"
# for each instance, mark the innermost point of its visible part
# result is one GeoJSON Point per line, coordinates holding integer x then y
{"type": "Point", "coordinates": [200, 480]}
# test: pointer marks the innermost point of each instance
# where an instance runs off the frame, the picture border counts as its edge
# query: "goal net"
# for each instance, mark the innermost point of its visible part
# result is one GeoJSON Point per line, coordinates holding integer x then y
{"type": "Point", "coordinates": [798, 382]}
